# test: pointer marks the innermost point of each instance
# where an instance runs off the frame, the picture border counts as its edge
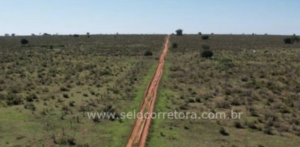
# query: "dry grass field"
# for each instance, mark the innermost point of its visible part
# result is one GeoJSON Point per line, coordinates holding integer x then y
{"type": "Point", "coordinates": [256, 75]}
{"type": "Point", "coordinates": [47, 86]}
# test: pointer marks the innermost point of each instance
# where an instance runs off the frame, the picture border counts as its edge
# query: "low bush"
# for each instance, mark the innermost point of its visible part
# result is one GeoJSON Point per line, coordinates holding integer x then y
{"type": "Point", "coordinates": [288, 40]}
{"type": "Point", "coordinates": [207, 54]}
{"type": "Point", "coordinates": [174, 45]}
{"type": "Point", "coordinates": [148, 53]}
{"type": "Point", "coordinates": [24, 41]}
{"type": "Point", "coordinates": [224, 132]}
{"type": "Point", "coordinates": [205, 37]}
{"type": "Point", "coordinates": [13, 99]}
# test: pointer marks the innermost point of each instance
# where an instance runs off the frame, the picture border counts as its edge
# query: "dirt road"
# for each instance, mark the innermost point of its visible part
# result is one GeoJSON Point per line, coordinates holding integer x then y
{"type": "Point", "coordinates": [140, 131]}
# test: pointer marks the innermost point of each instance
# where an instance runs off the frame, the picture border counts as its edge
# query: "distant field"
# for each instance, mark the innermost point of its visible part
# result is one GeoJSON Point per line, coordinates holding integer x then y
{"type": "Point", "coordinates": [255, 75]}
{"type": "Point", "coordinates": [47, 86]}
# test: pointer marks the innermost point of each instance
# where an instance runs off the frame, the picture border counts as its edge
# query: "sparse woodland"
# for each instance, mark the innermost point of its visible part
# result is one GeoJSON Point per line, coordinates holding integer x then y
{"type": "Point", "coordinates": [255, 75]}
{"type": "Point", "coordinates": [49, 83]}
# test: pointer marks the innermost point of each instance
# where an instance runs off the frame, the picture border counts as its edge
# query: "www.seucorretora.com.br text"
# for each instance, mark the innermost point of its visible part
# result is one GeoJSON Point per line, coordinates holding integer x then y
{"type": "Point", "coordinates": [165, 115]}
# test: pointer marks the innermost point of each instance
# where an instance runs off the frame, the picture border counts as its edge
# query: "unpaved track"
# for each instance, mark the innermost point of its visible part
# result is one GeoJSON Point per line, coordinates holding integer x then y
{"type": "Point", "coordinates": [140, 131]}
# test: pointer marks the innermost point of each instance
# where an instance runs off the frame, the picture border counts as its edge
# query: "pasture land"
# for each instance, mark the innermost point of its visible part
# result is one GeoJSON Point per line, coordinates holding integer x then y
{"type": "Point", "coordinates": [255, 75]}
{"type": "Point", "coordinates": [47, 86]}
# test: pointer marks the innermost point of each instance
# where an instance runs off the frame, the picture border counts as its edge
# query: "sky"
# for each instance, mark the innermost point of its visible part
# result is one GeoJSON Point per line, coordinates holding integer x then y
{"type": "Point", "coordinates": [24, 17]}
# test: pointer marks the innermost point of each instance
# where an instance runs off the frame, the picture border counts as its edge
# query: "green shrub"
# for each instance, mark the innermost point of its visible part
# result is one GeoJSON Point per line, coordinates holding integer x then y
{"type": "Point", "coordinates": [224, 132]}
{"type": "Point", "coordinates": [179, 32]}
{"type": "Point", "coordinates": [288, 40]}
{"type": "Point", "coordinates": [205, 37]}
{"type": "Point", "coordinates": [148, 53]}
{"type": "Point", "coordinates": [64, 89]}
{"type": "Point", "coordinates": [24, 41]}
{"type": "Point", "coordinates": [30, 106]}
{"type": "Point", "coordinates": [13, 99]}
{"type": "Point", "coordinates": [15, 89]}
{"type": "Point", "coordinates": [207, 54]}
{"type": "Point", "coordinates": [31, 98]}
{"type": "Point", "coordinates": [291, 40]}
{"type": "Point", "coordinates": [65, 95]}
{"type": "Point", "coordinates": [238, 125]}
{"type": "Point", "coordinates": [174, 45]}
{"type": "Point", "coordinates": [268, 130]}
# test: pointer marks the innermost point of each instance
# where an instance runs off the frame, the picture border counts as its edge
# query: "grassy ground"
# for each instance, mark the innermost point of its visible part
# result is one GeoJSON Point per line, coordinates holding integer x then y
{"type": "Point", "coordinates": [255, 75]}
{"type": "Point", "coordinates": [45, 92]}
{"type": "Point", "coordinates": [48, 86]}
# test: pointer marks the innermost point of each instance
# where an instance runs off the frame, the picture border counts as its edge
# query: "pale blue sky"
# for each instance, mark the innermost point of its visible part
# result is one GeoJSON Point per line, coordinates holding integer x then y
{"type": "Point", "coordinates": [24, 17]}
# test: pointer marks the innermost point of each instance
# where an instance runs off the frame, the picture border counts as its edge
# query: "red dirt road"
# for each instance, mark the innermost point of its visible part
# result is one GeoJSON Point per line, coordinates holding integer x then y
{"type": "Point", "coordinates": [140, 131]}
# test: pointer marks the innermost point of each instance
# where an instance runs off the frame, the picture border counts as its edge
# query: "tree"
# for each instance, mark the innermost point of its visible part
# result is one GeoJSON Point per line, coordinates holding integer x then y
{"type": "Point", "coordinates": [88, 34]}
{"type": "Point", "coordinates": [13, 34]}
{"type": "Point", "coordinates": [205, 37]}
{"type": "Point", "coordinates": [179, 32]}
{"type": "Point", "coordinates": [199, 33]}
{"type": "Point", "coordinates": [24, 41]}
{"type": "Point", "coordinates": [75, 35]}
{"type": "Point", "coordinates": [46, 34]}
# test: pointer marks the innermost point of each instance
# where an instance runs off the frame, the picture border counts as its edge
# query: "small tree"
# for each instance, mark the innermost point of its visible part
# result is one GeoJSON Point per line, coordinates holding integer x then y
{"type": "Point", "coordinates": [88, 34]}
{"type": "Point", "coordinates": [148, 53]}
{"type": "Point", "coordinates": [288, 40]}
{"type": "Point", "coordinates": [174, 45]}
{"type": "Point", "coordinates": [24, 41]}
{"type": "Point", "coordinates": [75, 35]}
{"type": "Point", "coordinates": [199, 33]}
{"type": "Point", "coordinates": [205, 37]}
{"type": "Point", "coordinates": [179, 32]}
{"type": "Point", "coordinates": [207, 54]}
{"type": "Point", "coordinates": [13, 34]}
{"type": "Point", "coordinates": [46, 34]}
